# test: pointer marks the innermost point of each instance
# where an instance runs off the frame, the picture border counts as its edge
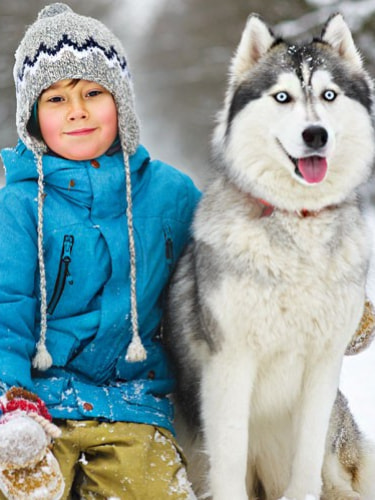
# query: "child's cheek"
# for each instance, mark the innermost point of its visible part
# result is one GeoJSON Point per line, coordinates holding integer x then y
{"type": "Point", "coordinates": [50, 126]}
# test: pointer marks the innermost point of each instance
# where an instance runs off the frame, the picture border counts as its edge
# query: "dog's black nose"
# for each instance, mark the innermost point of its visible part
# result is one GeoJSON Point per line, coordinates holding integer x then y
{"type": "Point", "coordinates": [315, 137]}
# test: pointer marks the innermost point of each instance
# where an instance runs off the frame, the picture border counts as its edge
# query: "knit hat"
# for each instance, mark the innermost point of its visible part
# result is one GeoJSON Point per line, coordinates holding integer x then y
{"type": "Point", "coordinates": [63, 45]}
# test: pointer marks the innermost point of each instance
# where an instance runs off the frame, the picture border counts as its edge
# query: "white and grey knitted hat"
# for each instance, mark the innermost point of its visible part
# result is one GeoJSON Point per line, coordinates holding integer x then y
{"type": "Point", "coordinates": [63, 45]}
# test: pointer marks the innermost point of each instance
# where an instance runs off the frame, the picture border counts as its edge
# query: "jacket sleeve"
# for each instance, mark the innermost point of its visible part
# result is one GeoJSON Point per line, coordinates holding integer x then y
{"type": "Point", "coordinates": [18, 267]}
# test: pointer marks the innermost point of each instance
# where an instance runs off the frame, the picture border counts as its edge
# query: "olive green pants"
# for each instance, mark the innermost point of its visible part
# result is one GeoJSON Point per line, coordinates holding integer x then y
{"type": "Point", "coordinates": [120, 461]}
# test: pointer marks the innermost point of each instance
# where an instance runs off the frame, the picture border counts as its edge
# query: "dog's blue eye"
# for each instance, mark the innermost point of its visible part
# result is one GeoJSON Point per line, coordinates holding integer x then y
{"type": "Point", "coordinates": [329, 95]}
{"type": "Point", "coordinates": [282, 97]}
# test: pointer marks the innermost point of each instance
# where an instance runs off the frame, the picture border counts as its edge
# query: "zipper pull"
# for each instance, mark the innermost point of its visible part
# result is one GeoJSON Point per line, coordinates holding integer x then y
{"type": "Point", "coordinates": [67, 256]}
{"type": "Point", "coordinates": [68, 246]}
{"type": "Point", "coordinates": [69, 277]}
{"type": "Point", "coordinates": [63, 274]}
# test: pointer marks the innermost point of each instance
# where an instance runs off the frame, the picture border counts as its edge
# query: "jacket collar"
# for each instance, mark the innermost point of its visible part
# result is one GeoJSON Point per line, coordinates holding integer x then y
{"type": "Point", "coordinates": [20, 162]}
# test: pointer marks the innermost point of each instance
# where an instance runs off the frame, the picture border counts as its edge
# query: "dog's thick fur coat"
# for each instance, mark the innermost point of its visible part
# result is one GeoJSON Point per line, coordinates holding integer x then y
{"type": "Point", "coordinates": [271, 290]}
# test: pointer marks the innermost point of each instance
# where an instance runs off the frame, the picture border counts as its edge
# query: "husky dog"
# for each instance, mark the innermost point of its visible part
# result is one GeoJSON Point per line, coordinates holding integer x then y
{"type": "Point", "coordinates": [272, 288]}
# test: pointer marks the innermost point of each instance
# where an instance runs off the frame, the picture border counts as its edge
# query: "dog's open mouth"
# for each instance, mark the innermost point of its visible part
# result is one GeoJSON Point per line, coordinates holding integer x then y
{"type": "Point", "coordinates": [312, 169]}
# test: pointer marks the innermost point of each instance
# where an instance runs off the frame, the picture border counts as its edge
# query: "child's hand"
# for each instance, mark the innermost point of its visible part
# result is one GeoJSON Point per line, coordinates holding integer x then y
{"type": "Point", "coordinates": [25, 429]}
{"type": "Point", "coordinates": [28, 469]}
{"type": "Point", "coordinates": [23, 441]}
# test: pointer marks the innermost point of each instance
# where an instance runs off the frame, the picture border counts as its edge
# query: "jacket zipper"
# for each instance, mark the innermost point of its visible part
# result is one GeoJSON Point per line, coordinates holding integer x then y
{"type": "Point", "coordinates": [63, 274]}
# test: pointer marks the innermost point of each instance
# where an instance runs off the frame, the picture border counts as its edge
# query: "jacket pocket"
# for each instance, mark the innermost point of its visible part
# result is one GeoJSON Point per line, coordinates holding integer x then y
{"type": "Point", "coordinates": [63, 274]}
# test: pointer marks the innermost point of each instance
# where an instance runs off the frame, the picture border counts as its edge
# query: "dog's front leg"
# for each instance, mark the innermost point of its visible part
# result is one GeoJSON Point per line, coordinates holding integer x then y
{"type": "Point", "coordinates": [227, 381]}
{"type": "Point", "coordinates": [317, 398]}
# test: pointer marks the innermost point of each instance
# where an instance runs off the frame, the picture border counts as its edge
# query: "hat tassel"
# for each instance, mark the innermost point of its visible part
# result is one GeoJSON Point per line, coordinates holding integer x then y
{"type": "Point", "coordinates": [136, 351]}
{"type": "Point", "coordinates": [42, 359]}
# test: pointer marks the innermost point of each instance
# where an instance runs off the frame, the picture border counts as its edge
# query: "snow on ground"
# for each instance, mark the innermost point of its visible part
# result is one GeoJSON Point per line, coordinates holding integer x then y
{"type": "Point", "coordinates": [358, 373]}
{"type": "Point", "coordinates": [358, 385]}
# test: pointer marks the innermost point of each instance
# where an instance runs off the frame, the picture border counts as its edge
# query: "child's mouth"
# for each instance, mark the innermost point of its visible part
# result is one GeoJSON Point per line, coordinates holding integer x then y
{"type": "Point", "coordinates": [81, 131]}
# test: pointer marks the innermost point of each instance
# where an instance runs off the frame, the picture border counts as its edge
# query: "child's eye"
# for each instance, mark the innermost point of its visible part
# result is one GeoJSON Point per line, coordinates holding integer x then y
{"type": "Point", "coordinates": [94, 93]}
{"type": "Point", "coordinates": [55, 99]}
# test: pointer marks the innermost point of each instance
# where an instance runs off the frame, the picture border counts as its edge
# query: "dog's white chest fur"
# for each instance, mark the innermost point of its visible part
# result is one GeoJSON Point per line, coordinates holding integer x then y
{"type": "Point", "coordinates": [286, 294]}
{"type": "Point", "coordinates": [288, 288]}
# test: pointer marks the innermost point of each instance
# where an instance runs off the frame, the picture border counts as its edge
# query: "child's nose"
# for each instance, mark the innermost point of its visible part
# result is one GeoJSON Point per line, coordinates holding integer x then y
{"type": "Point", "coordinates": [77, 111]}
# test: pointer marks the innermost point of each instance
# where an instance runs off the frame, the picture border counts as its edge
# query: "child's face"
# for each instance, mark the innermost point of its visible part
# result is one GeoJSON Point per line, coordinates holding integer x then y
{"type": "Point", "coordinates": [77, 119]}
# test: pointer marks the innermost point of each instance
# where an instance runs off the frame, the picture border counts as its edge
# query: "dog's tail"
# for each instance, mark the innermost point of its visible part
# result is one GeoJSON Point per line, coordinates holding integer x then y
{"type": "Point", "coordinates": [364, 479]}
{"type": "Point", "coordinates": [349, 463]}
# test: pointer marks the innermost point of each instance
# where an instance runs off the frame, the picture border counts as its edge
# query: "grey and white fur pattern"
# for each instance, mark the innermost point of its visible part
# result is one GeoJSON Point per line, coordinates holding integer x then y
{"type": "Point", "coordinates": [272, 288]}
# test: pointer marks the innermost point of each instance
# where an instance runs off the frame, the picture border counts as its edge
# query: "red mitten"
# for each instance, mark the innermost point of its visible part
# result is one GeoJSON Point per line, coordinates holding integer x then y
{"type": "Point", "coordinates": [28, 469]}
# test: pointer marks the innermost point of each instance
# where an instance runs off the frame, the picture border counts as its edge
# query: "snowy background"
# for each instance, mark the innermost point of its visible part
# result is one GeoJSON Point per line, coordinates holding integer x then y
{"type": "Point", "coordinates": [179, 51]}
{"type": "Point", "coordinates": [358, 373]}
{"type": "Point", "coordinates": [358, 384]}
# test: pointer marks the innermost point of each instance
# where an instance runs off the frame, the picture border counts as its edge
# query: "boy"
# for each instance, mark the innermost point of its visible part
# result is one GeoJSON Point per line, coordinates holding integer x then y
{"type": "Point", "coordinates": [90, 228]}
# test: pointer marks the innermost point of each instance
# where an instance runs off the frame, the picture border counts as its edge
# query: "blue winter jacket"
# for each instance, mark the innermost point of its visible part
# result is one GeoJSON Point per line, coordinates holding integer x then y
{"type": "Point", "coordinates": [87, 269]}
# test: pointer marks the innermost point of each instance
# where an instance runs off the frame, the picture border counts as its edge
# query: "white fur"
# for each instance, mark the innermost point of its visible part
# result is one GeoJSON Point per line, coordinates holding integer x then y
{"type": "Point", "coordinates": [290, 290]}
{"type": "Point", "coordinates": [337, 34]}
{"type": "Point", "coordinates": [285, 324]}
{"type": "Point", "coordinates": [248, 148]}
{"type": "Point", "coordinates": [255, 42]}
{"type": "Point", "coordinates": [263, 155]}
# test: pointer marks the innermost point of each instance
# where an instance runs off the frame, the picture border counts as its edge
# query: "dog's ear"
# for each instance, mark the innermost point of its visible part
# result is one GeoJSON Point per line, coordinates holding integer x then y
{"type": "Point", "coordinates": [337, 34]}
{"type": "Point", "coordinates": [256, 40]}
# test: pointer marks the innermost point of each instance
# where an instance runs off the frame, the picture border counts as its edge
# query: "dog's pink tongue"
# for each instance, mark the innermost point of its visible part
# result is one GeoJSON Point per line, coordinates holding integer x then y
{"type": "Point", "coordinates": [313, 168]}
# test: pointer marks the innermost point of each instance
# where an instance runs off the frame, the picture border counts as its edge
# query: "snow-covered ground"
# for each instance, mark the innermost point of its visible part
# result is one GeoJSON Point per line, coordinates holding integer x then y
{"type": "Point", "coordinates": [358, 373]}
{"type": "Point", "coordinates": [358, 384]}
